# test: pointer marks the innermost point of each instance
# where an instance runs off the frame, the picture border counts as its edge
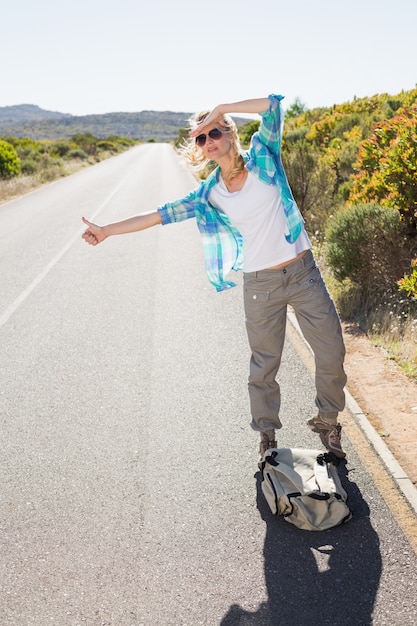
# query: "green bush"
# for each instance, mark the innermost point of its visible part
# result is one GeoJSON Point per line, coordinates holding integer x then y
{"type": "Point", "coordinates": [77, 153]}
{"type": "Point", "coordinates": [409, 282]}
{"type": "Point", "coordinates": [312, 181]}
{"type": "Point", "coordinates": [122, 141]}
{"type": "Point", "coordinates": [246, 132]}
{"type": "Point", "coordinates": [105, 144]}
{"type": "Point", "coordinates": [61, 148]}
{"type": "Point", "coordinates": [29, 166]}
{"type": "Point", "coordinates": [9, 160]}
{"type": "Point", "coordinates": [368, 244]}
{"type": "Point", "coordinates": [87, 142]}
{"type": "Point", "coordinates": [29, 154]}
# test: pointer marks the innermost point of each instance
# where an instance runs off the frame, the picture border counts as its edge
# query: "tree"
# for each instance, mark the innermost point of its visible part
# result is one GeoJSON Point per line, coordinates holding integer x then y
{"type": "Point", "coordinates": [9, 161]}
{"type": "Point", "coordinates": [295, 109]}
{"type": "Point", "coordinates": [387, 166]}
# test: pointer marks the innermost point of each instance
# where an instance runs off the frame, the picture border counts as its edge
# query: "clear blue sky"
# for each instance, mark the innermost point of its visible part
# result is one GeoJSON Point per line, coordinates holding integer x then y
{"type": "Point", "coordinates": [91, 56]}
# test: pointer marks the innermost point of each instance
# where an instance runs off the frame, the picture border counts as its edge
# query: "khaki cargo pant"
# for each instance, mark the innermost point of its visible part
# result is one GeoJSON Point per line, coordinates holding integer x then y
{"type": "Point", "coordinates": [267, 294]}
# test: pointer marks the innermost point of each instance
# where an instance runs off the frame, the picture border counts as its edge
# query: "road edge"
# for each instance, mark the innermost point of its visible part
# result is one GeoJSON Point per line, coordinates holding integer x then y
{"type": "Point", "coordinates": [400, 477]}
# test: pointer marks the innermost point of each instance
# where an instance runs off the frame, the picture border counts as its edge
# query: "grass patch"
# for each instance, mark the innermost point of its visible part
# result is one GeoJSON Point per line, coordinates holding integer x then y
{"type": "Point", "coordinates": [14, 187]}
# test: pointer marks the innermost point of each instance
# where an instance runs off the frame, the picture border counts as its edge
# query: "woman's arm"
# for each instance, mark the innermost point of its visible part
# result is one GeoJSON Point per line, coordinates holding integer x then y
{"type": "Point", "coordinates": [96, 234]}
{"type": "Point", "coordinates": [254, 105]}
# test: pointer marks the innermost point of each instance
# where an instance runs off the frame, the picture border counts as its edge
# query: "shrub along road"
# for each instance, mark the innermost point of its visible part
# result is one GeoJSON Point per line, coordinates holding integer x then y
{"type": "Point", "coordinates": [130, 490]}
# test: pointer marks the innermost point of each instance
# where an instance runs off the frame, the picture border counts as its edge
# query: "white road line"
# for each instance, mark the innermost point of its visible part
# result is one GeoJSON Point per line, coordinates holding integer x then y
{"type": "Point", "coordinates": [26, 293]}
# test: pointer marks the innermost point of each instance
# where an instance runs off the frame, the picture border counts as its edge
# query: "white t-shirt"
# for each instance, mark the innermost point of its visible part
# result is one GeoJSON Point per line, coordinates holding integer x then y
{"type": "Point", "coordinates": [257, 212]}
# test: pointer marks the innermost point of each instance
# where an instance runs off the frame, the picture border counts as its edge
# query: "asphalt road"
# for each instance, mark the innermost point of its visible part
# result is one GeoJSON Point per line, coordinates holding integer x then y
{"type": "Point", "coordinates": [129, 488]}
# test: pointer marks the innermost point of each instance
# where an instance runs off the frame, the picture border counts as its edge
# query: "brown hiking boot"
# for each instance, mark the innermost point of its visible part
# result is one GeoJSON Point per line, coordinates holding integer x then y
{"type": "Point", "coordinates": [268, 441]}
{"type": "Point", "coordinates": [329, 435]}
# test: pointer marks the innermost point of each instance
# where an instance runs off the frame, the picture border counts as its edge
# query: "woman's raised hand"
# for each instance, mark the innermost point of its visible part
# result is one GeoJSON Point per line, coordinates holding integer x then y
{"type": "Point", "coordinates": [213, 117]}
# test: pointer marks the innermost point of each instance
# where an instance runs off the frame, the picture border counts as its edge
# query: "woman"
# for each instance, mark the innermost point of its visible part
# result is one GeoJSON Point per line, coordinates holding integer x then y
{"type": "Point", "coordinates": [248, 220]}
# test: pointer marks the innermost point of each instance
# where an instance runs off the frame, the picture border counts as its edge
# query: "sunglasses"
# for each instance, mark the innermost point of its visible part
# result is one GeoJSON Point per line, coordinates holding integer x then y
{"type": "Point", "coordinates": [215, 134]}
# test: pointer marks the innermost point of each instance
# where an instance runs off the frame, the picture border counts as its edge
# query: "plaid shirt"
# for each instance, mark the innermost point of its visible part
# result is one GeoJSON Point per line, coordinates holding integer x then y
{"type": "Point", "coordinates": [222, 242]}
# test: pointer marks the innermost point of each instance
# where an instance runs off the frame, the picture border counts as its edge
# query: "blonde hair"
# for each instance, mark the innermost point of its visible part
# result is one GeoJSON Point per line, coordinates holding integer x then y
{"type": "Point", "coordinates": [194, 156]}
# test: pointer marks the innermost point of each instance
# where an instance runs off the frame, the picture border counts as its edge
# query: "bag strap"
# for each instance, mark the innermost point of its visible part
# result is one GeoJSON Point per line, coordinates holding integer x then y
{"type": "Point", "coordinates": [321, 473]}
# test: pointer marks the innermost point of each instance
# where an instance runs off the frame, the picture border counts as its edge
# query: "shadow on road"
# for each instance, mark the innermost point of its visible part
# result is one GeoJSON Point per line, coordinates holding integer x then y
{"type": "Point", "coordinates": [329, 577]}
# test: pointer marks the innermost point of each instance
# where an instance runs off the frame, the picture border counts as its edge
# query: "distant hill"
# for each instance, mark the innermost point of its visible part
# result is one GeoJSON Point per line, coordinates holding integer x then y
{"type": "Point", "coordinates": [29, 120]}
{"type": "Point", "coordinates": [27, 112]}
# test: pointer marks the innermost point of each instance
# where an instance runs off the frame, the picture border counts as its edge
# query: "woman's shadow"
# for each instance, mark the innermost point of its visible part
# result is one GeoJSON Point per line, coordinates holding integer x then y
{"type": "Point", "coordinates": [326, 577]}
